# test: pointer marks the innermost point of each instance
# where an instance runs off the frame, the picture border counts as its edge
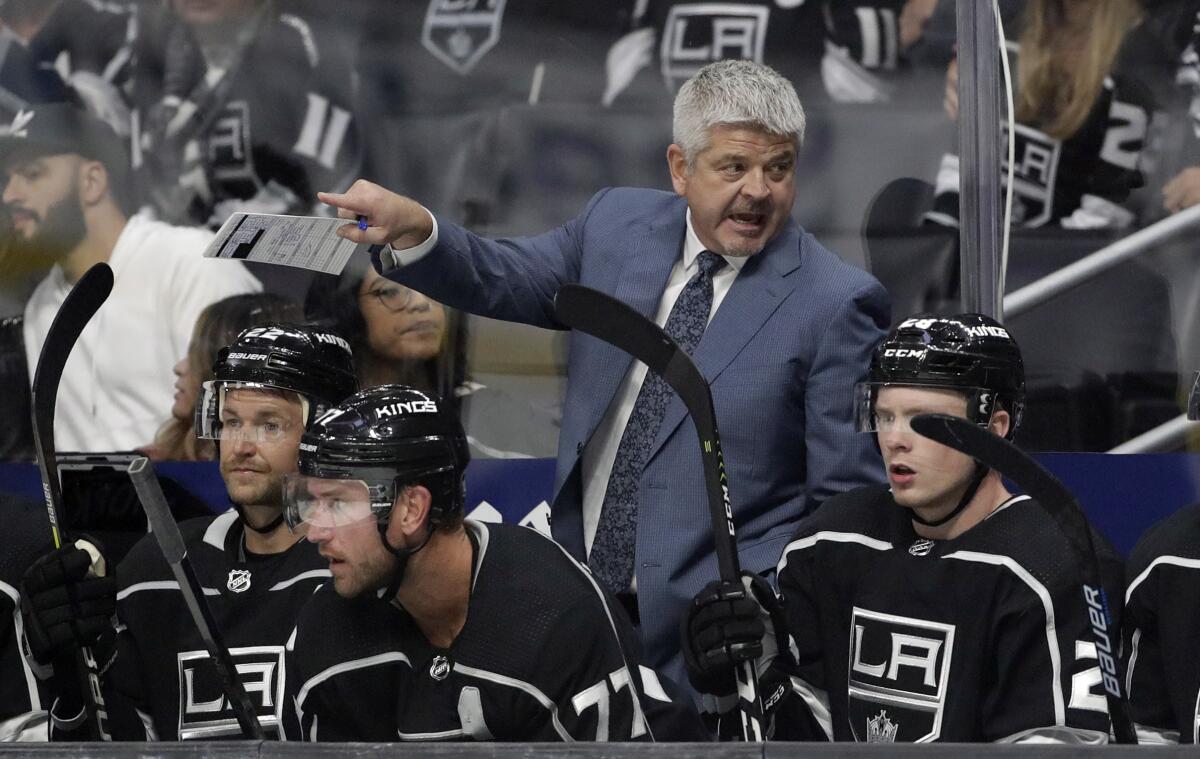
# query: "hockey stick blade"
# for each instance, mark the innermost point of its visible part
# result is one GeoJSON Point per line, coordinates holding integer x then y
{"type": "Point", "coordinates": [77, 309]}
{"type": "Point", "coordinates": [1033, 479]}
{"type": "Point", "coordinates": [616, 323]}
{"type": "Point", "coordinates": [166, 532]}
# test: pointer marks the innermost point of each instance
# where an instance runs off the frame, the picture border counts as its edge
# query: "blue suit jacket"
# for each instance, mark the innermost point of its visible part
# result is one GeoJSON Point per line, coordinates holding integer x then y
{"type": "Point", "coordinates": [782, 353]}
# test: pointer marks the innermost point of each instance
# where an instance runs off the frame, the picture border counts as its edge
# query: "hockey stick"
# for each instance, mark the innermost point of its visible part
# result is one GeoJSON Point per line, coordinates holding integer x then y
{"type": "Point", "coordinates": [1031, 477]}
{"type": "Point", "coordinates": [614, 322]}
{"type": "Point", "coordinates": [170, 542]}
{"type": "Point", "coordinates": [73, 315]}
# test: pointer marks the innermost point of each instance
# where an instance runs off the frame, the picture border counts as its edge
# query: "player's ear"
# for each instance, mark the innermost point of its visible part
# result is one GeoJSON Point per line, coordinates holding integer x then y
{"type": "Point", "coordinates": [1001, 420]}
{"type": "Point", "coordinates": [412, 509]}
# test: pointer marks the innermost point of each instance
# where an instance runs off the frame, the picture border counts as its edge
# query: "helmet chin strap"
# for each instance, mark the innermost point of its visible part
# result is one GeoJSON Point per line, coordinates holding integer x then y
{"type": "Point", "coordinates": [973, 487]}
{"type": "Point", "coordinates": [264, 530]}
{"type": "Point", "coordinates": [402, 556]}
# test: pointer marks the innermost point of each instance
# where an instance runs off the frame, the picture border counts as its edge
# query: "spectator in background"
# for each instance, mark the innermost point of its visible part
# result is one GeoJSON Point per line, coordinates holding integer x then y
{"type": "Point", "coordinates": [836, 50]}
{"type": "Point", "coordinates": [1080, 127]}
{"type": "Point", "coordinates": [240, 109]}
{"type": "Point", "coordinates": [217, 326]}
{"type": "Point", "coordinates": [67, 190]}
{"type": "Point", "coordinates": [89, 43]}
{"type": "Point", "coordinates": [400, 336]}
{"type": "Point", "coordinates": [1163, 53]}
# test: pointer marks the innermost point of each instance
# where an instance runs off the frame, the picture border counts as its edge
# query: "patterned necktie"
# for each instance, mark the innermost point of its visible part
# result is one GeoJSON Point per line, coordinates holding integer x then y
{"type": "Point", "coordinates": [611, 558]}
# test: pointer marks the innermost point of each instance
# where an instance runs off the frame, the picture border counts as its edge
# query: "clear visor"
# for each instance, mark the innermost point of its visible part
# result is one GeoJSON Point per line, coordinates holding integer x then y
{"type": "Point", "coordinates": [980, 403]}
{"type": "Point", "coordinates": [327, 503]}
{"type": "Point", "coordinates": [214, 421]}
{"type": "Point", "coordinates": [1194, 399]}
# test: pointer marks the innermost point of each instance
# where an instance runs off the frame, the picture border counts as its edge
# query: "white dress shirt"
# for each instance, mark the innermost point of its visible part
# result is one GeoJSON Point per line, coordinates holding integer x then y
{"type": "Point", "coordinates": [601, 450]}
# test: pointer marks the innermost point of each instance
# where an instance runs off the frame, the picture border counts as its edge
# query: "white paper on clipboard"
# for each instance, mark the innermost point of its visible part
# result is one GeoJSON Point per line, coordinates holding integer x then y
{"type": "Point", "coordinates": [305, 242]}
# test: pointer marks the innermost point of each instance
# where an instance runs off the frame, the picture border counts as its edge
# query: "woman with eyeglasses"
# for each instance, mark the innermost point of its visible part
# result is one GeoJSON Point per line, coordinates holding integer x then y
{"type": "Point", "coordinates": [398, 335]}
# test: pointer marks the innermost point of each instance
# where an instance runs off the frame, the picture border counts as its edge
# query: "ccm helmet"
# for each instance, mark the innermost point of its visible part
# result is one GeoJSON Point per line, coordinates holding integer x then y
{"type": "Point", "coordinates": [358, 456]}
{"type": "Point", "coordinates": [314, 363]}
{"type": "Point", "coordinates": [971, 353]}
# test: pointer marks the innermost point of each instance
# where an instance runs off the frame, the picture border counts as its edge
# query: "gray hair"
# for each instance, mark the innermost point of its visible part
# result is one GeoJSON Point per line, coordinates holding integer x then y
{"type": "Point", "coordinates": [733, 92]}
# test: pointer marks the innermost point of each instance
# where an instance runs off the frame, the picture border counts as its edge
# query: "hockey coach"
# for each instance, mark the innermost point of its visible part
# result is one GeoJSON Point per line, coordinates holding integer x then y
{"type": "Point", "coordinates": [778, 325]}
{"type": "Point", "coordinates": [434, 627]}
{"type": "Point", "coordinates": [939, 607]}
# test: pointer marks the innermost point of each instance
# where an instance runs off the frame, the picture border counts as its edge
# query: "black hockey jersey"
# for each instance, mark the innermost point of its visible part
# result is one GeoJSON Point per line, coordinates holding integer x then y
{"type": "Point", "coordinates": [23, 702]}
{"type": "Point", "coordinates": [1162, 625]}
{"type": "Point", "coordinates": [902, 639]}
{"type": "Point", "coordinates": [264, 131]}
{"type": "Point", "coordinates": [1077, 182]}
{"type": "Point", "coordinates": [162, 665]}
{"type": "Point", "coordinates": [543, 656]}
{"type": "Point", "coordinates": [464, 56]}
{"type": "Point", "coordinates": [822, 47]}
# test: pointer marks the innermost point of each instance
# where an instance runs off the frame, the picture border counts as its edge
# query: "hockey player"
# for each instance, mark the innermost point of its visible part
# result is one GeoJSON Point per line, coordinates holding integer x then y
{"type": "Point", "coordinates": [940, 608]}
{"type": "Point", "coordinates": [1162, 616]}
{"type": "Point", "coordinates": [23, 712]}
{"type": "Point", "coordinates": [440, 628]}
{"type": "Point", "coordinates": [255, 572]}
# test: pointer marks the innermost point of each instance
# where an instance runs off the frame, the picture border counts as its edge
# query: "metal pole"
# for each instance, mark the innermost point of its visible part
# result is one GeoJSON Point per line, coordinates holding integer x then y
{"type": "Point", "coordinates": [1165, 436]}
{"type": "Point", "coordinates": [979, 158]}
{"type": "Point", "coordinates": [1042, 290]}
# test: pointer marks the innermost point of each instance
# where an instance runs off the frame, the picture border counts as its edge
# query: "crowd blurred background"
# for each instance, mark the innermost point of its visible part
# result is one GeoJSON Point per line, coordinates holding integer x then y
{"type": "Point", "coordinates": [507, 115]}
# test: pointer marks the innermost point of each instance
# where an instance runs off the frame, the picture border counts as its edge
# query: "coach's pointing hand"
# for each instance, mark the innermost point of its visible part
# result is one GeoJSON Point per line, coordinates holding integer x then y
{"type": "Point", "coordinates": [390, 218]}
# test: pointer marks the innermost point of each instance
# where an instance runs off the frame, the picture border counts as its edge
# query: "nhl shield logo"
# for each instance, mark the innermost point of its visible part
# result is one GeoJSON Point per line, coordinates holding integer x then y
{"type": "Point", "coordinates": [460, 32]}
{"type": "Point", "coordinates": [921, 547]}
{"type": "Point", "coordinates": [239, 580]}
{"type": "Point", "coordinates": [440, 668]}
{"type": "Point", "coordinates": [897, 676]}
{"type": "Point", "coordinates": [696, 34]}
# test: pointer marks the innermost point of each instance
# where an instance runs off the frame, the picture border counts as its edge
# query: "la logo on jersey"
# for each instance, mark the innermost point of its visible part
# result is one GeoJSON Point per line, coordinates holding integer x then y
{"type": "Point", "coordinates": [696, 34]}
{"type": "Point", "coordinates": [899, 667]}
{"type": "Point", "coordinates": [239, 580]}
{"type": "Point", "coordinates": [460, 32]}
{"type": "Point", "coordinates": [205, 713]}
{"type": "Point", "coordinates": [1035, 173]}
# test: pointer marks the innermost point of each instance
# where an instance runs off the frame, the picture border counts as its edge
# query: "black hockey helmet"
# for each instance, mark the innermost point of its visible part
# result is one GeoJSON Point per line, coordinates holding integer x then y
{"type": "Point", "coordinates": [314, 363]}
{"type": "Point", "coordinates": [972, 353]}
{"type": "Point", "coordinates": [383, 439]}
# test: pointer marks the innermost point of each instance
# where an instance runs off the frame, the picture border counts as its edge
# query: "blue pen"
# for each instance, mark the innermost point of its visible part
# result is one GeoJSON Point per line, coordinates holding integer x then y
{"type": "Point", "coordinates": [362, 222]}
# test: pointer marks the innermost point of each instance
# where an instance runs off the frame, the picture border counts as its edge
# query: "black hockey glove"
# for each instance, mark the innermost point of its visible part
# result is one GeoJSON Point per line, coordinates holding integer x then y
{"type": "Point", "coordinates": [64, 605]}
{"type": "Point", "coordinates": [725, 626]}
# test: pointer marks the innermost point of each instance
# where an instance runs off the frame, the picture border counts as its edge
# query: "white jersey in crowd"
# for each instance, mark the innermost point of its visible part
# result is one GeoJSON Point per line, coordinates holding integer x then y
{"type": "Point", "coordinates": [117, 387]}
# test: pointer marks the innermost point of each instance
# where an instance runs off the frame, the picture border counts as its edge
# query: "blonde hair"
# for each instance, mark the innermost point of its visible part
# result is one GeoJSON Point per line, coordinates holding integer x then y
{"type": "Point", "coordinates": [217, 326]}
{"type": "Point", "coordinates": [1057, 90]}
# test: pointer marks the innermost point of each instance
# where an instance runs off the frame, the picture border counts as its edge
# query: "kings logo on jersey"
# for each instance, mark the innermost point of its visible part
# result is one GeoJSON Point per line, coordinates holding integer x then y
{"type": "Point", "coordinates": [696, 34]}
{"type": "Point", "coordinates": [460, 32]}
{"type": "Point", "coordinates": [898, 670]}
{"type": "Point", "coordinates": [1035, 170]}
{"type": "Point", "coordinates": [205, 713]}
